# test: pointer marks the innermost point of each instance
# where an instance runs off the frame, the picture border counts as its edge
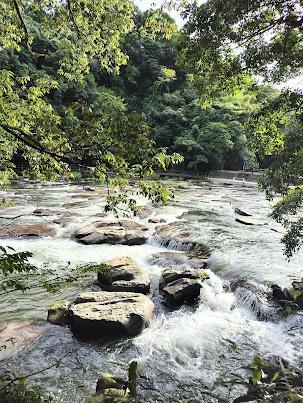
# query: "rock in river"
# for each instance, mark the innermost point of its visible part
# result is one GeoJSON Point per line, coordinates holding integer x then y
{"type": "Point", "coordinates": [106, 314]}
{"type": "Point", "coordinates": [179, 286]}
{"type": "Point", "coordinates": [41, 229]}
{"type": "Point", "coordinates": [124, 275]}
{"type": "Point", "coordinates": [125, 232]}
{"type": "Point", "coordinates": [250, 221]}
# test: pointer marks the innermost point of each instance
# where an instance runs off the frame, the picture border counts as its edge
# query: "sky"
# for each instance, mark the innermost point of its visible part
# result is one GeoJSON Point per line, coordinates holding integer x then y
{"type": "Point", "coordinates": [146, 4]}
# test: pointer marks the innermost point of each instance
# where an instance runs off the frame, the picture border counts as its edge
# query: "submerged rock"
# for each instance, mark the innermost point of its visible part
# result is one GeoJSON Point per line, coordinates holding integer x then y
{"type": "Point", "coordinates": [181, 286]}
{"type": "Point", "coordinates": [58, 313]}
{"type": "Point", "coordinates": [41, 229]}
{"type": "Point", "coordinates": [106, 314]}
{"type": "Point", "coordinates": [242, 212]}
{"type": "Point", "coordinates": [124, 275]}
{"type": "Point", "coordinates": [250, 221]}
{"type": "Point", "coordinates": [89, 188]}
{"type": "Point", "coordinates": [15, 337]}
{"type": "Point", "coordinates": [125, 232]}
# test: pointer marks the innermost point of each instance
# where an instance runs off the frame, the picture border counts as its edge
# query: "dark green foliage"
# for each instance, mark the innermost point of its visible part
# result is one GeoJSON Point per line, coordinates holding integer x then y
{"type": "Point", "coordinates": [20, 391]}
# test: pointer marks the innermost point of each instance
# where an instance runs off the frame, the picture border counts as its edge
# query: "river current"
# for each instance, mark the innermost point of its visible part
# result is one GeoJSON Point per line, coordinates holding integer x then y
{"type": "Point", "coordinates": [190, 354]}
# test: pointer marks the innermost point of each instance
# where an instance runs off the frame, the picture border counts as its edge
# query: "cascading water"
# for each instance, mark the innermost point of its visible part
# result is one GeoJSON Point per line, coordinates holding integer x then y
{"type": "Point", "coordinates": [190, 353]}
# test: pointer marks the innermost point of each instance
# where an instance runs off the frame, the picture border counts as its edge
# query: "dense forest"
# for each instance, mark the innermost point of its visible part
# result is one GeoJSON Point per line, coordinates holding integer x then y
{"type": "Point", "coordinates": [155, 86]}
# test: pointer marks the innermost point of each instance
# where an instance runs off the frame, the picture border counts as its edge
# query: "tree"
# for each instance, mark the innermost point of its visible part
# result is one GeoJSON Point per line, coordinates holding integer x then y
{"type": "Point", "coordinates": [63, 39]}
{"type": "Point", "coordinates": [222, 43]}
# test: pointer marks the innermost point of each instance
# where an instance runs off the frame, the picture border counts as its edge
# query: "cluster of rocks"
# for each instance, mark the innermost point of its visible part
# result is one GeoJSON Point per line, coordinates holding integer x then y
{"type": "Point", "coordinates": [119, 309]}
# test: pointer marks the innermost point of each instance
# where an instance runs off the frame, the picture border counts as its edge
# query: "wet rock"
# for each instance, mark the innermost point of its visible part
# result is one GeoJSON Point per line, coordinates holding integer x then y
{"type": "Point", "coordinates": [156, 220]}
{"type": "Point", "coordinates": [175, 236]}
{"type": "Point", "coordinates": [145, 211]}
{"type": "Point", "coordinates": [292, 298]}
{"type": "Point", "coordinates": [41, 229]}
{"type": "Point", "coordinates": [58, 313]}
{"type": "Point", "coordinates": [181, 291]}
{"type": "Point", "coordinates": [242, 212]}
{"type": "Point", "coordinates": [250, 221]}
{"type": "Point", "coordinates": [256, 297]}
{"type": "Point", "coordinates": [125, 232]}
{"type": "Point", "coordinates": [106, 314]}
{"type": "Point", "coordinates": [124, 275]}
{"type": "Point", "coordinates": [15, 337]}
{"type": "Point", "coordinates": [172, 274]}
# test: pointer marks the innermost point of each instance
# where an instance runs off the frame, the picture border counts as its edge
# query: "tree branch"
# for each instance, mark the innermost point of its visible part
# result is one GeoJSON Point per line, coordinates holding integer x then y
{"type": "Point", "coordinates": [24, 138]}
{"type": "Point", "coordinates": [18, 11]}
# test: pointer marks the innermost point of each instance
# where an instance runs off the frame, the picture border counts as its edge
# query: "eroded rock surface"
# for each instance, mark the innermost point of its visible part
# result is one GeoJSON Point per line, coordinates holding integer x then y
{"type": "Point", "coordinates": [125, 275]}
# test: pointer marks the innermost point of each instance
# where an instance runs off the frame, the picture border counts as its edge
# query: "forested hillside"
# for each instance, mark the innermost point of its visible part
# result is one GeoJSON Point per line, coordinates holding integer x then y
{"type": "Point", "coordinates": [154, 88]}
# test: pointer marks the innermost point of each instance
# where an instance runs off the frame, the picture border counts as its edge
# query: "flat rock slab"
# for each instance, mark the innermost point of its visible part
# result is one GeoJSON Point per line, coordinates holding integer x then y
{"type": "Point", "coordinates": [111, 314]}
{"type": "Point", "coordinates": [27, 230]}
{"type": "Point", "coordinates": [250, 221]}
{"type": "Point", "coordinates": [125, 275]}
{"type": "Point", "coordinates": [124, 232]}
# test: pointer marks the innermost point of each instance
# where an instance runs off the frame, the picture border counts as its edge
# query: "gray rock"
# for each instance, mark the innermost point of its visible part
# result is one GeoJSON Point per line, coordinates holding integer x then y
{"type": "Point", "coordinates": [145, 211]}
{"type": "Point", "coordinates": [45, 212]}
{"type": "Point", "coordinates": [181, 291]}
{"type": "Point", "coordinates": [124, 275]}
{"type": "Point", "coordinates": [171, 274]}
{"type": "Point", "coordinates": [125, 232]}
{"type": "Point", "coordinates": [111, 314]}
{"type": "Point", "coordinates": [41, 229]}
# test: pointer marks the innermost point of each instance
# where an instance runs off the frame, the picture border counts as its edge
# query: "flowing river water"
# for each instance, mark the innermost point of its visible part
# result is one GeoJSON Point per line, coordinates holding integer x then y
{"type": "Point", "coordinates": [190, 354]}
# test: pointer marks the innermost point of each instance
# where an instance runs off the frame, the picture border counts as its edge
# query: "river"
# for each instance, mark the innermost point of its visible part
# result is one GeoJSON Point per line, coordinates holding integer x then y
{"type": "Point", "coordinates": [185, 355]}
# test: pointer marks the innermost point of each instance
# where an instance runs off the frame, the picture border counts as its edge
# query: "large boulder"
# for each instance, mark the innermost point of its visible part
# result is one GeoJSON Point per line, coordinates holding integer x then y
{"type": "Point", "coordinates": [106, 314]}
{"type": "Point", "coordinates": [181, 286]}
{"type": "Point", "coordinates": [41, 229]}
{"type": "Point", "coordinates": [123, 274]}
{"type": "Point", "coordinates": [125, 232]}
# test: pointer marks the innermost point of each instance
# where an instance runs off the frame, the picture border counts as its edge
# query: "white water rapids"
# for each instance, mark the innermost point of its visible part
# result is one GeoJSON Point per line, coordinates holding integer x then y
{"type": "Point", "coordinates": [191, 353]}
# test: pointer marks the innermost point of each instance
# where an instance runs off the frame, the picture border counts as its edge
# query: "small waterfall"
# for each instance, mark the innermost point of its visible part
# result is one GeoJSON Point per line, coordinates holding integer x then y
{"type": "Point", "coordinates": [170, 243]}
{"type": "Point", "coordinates": [257, 298]}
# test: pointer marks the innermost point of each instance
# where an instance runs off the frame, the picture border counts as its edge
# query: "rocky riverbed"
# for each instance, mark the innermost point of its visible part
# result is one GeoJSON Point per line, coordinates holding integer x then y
{"type": "Point", "coordinates": [189, 295]}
